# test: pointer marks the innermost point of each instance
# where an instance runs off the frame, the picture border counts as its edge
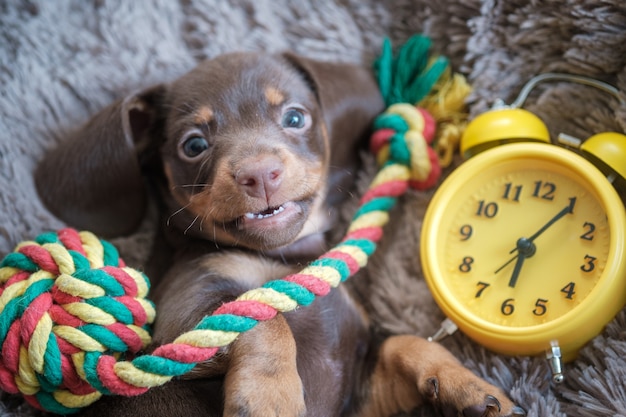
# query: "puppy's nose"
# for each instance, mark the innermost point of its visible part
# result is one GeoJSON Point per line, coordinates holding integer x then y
{"type": "Point", "coordinates": [260, 177]}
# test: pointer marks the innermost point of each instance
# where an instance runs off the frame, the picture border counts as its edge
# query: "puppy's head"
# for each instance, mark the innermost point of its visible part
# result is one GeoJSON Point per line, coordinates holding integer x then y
{"type": "Point", "coordinates": [241, 147]}
{"type": "Point", "coordinates": [245, 151]}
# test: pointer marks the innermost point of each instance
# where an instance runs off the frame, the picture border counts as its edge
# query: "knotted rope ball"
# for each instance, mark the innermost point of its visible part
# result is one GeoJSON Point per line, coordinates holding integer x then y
{"type": "Point", "coordinates": [66, 302]}
{"type": "Point", "coordinates": [74, 319]}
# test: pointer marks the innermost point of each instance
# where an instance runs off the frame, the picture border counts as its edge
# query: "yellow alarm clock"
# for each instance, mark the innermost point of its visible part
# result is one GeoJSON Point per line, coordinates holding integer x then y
{"type": "Point", "coordinates": [524, 245]}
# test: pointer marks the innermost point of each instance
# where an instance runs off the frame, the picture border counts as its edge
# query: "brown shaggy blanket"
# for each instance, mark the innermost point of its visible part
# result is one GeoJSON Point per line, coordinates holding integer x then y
{"type": "Point", "coordinates": [61, 61]}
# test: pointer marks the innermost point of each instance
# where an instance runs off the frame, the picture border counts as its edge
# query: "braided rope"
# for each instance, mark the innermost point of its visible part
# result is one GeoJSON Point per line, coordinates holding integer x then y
{"type": "Point", "coordinates": [64, 298]}
{"type": "Point", "coordinates": [73, 316]}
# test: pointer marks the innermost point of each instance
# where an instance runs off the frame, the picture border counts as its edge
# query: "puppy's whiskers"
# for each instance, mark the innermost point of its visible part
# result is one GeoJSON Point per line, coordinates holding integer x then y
{"type": "Point", "coordinates": [193, 185]}
{"type": "Point", "coordinates": [208, 214]}
{"type": "Point", "coordinates": [201, 186]}
{"type": "Point", "coordinates": [191, 224]}
{"type": "Point", "coordinates": [201, 170]}
{"type": "Point", "coordinates": [176, 212]}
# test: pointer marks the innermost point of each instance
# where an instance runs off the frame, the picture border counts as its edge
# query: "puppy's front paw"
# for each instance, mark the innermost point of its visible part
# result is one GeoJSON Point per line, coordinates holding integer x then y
{"type": "Point", "coordinates": [256, 395]}
{"type": "Point", "coordinates": [262, 378]}
{"type": "Point", "coordinates": [412, 370]}
{"type": "Point", "coordinates": [458, 392]}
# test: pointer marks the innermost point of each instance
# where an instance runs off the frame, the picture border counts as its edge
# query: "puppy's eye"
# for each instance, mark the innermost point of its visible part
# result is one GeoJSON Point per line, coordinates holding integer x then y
{"type": "Point", "coordinates": [294, 119]}
{"type": "Point", "coordinates": [194, 146]}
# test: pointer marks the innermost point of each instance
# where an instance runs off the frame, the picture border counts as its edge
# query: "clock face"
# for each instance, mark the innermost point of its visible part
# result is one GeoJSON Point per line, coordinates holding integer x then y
{"type": "Point", "coordinates": [523, 244]}
{"type": "Point", "coordinates": [527, 243]}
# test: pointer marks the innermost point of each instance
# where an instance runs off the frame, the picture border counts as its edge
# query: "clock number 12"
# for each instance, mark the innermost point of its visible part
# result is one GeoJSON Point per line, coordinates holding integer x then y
{"type": "Point", "coordinates": [544, 190]}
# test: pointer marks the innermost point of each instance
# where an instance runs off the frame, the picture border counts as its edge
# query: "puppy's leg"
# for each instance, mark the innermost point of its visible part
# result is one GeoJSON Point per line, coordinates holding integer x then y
{"type": "Point", "coordinates": [411, 371]}
{"type": "Point", "coordinates": [262, 378]}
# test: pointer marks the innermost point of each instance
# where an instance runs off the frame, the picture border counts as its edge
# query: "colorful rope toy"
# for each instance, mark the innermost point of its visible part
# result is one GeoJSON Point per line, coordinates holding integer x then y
{"type": "Point", "coordinates": [73, 316]}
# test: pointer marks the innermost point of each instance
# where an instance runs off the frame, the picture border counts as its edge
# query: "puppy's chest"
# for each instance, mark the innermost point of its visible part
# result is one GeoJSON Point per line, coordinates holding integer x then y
{"type": "Point", "coordinates": [248, 269]}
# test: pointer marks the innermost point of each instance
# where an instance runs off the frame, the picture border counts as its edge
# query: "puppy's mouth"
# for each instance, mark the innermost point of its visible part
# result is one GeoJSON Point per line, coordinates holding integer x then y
{"type": "Point", "coordinates": [270, 212]}
{"type": "Point", "coordinates": [270, 228]}
{"type": "Point", "coordinates": [283, 215]}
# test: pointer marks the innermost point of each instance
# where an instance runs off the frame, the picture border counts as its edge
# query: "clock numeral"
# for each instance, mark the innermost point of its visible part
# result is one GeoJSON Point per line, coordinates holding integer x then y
{"type": "Point", "coordinates": [482, 286]}
{"type": "Point", "coordinates": [466, 231]}
{"type": "Point", "coordinates": [512, 192]}
{"type": "Point", "coordinates": [589, 229]}
{"type": "Point", "coordinates": [488, 210]}
{"type": "Point", "coordinates": [568, 290]}
{"type": "Point", "coordinates": [590, 263]}
{"type": "Point", "coordinates": [544, 190]}
{"type": "Point", "coordinates": [540, 307]}
{"type": "Point", "coordinates": [507, 308]}
{"type": "Point", "coordinates": [466, 265]}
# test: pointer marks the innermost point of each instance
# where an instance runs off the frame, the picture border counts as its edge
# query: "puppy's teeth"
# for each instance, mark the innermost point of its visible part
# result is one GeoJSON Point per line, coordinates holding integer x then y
{"type": "Point", "coordinates": [263, 216]}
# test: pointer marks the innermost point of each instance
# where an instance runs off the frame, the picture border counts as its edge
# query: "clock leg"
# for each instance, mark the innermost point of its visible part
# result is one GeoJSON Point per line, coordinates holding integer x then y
{"type": "Point", "coordinates": [411, 371]}
{"type": "Point", "coordinates": [554, 360]}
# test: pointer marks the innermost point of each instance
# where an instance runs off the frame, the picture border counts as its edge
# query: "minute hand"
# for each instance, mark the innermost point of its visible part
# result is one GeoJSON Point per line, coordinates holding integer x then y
{"type": "Point", "coordinates": [566, 210]}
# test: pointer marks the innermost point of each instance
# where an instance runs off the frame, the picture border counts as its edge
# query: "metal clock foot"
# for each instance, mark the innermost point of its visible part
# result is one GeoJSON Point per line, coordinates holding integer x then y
{"type": "Point", "coordinates": [447, 327]}
{"type": "Point", "coordinates": [554, 360]}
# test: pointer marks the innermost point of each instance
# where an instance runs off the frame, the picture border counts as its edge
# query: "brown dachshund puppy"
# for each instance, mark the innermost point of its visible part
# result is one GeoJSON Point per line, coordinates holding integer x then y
{"type": "Point", "coordinates": [250, 155]}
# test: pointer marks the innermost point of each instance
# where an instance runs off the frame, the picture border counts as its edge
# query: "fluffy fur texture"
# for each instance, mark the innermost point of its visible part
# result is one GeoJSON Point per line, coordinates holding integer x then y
{"type": "Point", "coordinates": [62, 61]}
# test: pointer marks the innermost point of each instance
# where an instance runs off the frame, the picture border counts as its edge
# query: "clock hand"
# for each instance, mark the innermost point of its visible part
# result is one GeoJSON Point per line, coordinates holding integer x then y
{"type": "Point", "coordinates": [526, 244]}
{"type": "Point", "coordinates": [507, 262]}
{"type": "Point", "coordinates": [566, 210]}
{"type": "Point", "coordinates": [516, 270]}
{"type": "Point", "coordinates": [525, 249]}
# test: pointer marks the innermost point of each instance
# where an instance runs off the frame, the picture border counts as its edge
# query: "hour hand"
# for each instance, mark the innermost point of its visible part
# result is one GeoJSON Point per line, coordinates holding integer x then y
{"type": "Point", "coordinates": [517, 269]}
{"type": "Point", "coordinates": [525, 249]}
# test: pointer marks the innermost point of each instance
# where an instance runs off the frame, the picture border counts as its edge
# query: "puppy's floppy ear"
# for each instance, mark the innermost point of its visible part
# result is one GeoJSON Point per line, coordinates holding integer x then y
{"type": "Point", "coordinates": [93, 179]}
{"type": "Point", "coordinates": [349, 97]}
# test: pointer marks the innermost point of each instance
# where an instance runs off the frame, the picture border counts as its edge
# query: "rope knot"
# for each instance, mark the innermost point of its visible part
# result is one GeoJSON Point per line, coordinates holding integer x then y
{"type": "Point", "coordinates": [66, 296]}
{"type": "Point", "coordinates": [404, 134]}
